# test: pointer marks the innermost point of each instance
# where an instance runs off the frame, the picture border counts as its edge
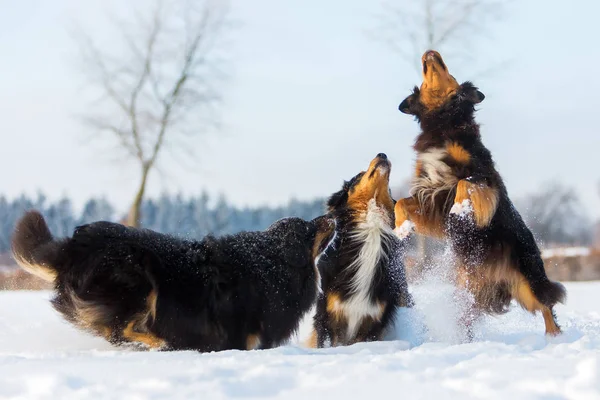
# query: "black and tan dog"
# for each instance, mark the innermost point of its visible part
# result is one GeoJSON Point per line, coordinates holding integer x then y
{"type": "Point", "coordinates": [362, 271]}
{"type": "Point", "coordinates": [242, 291]}
{"type": "Point", "coordinates": [458, 193]}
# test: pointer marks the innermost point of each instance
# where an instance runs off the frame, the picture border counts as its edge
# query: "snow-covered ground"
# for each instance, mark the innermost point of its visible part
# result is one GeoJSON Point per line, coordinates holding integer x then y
{"type": "Point", "coordinates": [42, 357]}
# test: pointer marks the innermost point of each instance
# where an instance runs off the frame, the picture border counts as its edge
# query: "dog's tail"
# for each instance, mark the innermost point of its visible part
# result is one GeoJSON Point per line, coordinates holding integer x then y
{"type": "Point", "coordinates": [34, 248]}
{"type": "Point", "coordinates": [549, 292]}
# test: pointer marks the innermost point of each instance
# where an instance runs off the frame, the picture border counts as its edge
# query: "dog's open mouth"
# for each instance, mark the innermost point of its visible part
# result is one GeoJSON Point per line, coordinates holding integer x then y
{"type": "Point", "coordinates": [432, 59]}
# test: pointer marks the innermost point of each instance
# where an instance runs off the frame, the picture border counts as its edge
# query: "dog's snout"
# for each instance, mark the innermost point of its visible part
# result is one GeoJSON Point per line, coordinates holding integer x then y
{"type": "Point", "coordinates": [382, 156]}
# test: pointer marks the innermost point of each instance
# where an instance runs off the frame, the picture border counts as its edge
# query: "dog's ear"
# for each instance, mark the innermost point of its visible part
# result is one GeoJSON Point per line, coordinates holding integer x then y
{"type": "Point", "coordinates": [338, 198]}
{"type": "Point", "coordinates": [471, 93]}
{"type": "Point", "coordinates": [408, 105]}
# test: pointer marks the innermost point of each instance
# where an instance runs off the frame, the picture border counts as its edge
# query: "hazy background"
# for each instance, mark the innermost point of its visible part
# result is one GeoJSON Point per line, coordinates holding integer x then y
{"type": "Point", "coordinates": [310, 98]}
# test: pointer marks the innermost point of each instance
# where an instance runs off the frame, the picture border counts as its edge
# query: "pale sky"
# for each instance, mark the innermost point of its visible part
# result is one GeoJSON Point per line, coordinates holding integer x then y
{"type": "Point", "coordinates": [311, 99]}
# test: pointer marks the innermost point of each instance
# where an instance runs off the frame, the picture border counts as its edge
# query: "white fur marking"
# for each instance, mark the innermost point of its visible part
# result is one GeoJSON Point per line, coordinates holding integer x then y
{"type": "Point", "coordinates": [437, 178]}
{"type": "Point", "coordinates": [462, 209]}
{"type": "Point", "coordinates": [317, 272]}
{"type": "Point", "coordinates": [433, 165]}
{"type": "Point", "coordinates": [404, 230]}
{"type": "Point", "coordinates": [356, 308]}
{"type": "Point", "coordinates": [372, 233]}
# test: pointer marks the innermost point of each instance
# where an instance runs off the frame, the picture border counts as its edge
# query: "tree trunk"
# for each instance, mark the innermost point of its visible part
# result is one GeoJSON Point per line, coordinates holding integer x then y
{"type": "Point", "coordinates": [134, 216]}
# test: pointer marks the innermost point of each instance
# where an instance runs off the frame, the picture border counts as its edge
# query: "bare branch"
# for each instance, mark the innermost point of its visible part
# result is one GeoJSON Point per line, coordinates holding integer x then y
{"type": "Point", "coordinates": [163, 74]}
{"type": "Point", "coordinates": [410, 27]}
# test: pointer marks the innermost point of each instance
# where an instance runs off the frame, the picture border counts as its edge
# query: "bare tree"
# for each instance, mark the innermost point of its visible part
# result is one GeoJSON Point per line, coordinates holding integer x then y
{"type": "Point", "coordinates": [453, 27]}
{"type": "Point", "coordinates": [158, 82]}
{"type": "Point", "coordinates": [556, 216]}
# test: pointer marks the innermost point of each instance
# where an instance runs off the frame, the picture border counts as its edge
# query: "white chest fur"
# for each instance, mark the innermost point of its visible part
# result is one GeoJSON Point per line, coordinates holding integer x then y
{"type": "Point", "coordinates": [372, 232]}
{"type": "Point", "coordinates": [435, 175]}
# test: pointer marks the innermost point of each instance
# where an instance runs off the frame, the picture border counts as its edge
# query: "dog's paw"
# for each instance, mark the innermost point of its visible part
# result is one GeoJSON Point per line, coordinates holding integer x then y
{"type": "Point", "coordinates": [404, 230]}
{"type": "Point", "coordinates": [464, 209]}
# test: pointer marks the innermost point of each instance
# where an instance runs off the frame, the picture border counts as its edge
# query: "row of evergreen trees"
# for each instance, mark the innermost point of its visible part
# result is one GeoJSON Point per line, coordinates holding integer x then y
{"type": "Point", "coordinates": [555, 215]}
{"type": "Point", "coordinates": [190, 217]}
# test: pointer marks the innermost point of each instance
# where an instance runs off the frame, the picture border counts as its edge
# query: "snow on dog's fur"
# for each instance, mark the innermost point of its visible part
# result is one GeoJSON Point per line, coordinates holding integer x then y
{"type": "Point", "coordinates": [242, 291]}
{"type": "Point", "coordinates": [457, 193]}
{"type": "Point", "coordinates": [363, 282]}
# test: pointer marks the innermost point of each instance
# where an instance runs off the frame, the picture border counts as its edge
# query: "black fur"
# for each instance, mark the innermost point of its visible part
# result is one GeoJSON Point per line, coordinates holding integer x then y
{"type": "Point", "coordinates": [388, 286]}
{"type": "Point", "coordinates": [507, 235]}
{"type": "Point", "coordinates": [212, 294]}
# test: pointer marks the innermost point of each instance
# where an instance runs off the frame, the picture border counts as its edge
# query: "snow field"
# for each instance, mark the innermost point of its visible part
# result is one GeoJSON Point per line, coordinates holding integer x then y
{"type": "Point", "coordinates": [42, 357]}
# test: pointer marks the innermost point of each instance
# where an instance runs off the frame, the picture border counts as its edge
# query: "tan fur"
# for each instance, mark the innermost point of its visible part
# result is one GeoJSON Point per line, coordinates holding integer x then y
{"type": "Point", "coordinates": [90, 316]}
{"type": "Point", "coordinates": [381, 305]}
{"type": "Point", "coordinates": [311, 342]}
{"type": "Point", "coordinates": [146, 338]}
{"type": "Point", "coordinates": [324, 233]}
{"type": "Point", "coordinates": [141, 321]}
{"type": "Point", "coordinates": [373, 184]}
{"type": "Point", "coordinates": [252, 342]}
{"type": "Point", "coordinates": [551, 328]}
{"type": "Point", "coordinates": [95, 317]}
{"type": "Point", "coordinates": [401, 212]}
{"type": "Point", "coordinates": [495, 282]}
{"type": "Point", "coordinates": [336, 311]}
{"type": "Point", "coordinates": [458, 153]}
{"type": "Point", "coordinates": [525, 297]}
{"type": "Point", "coordinates": [151, 302]}
{"type": "Point", "coordinates": [418, 168]}
{"type": "Point", "coordinates": [334, 308]}
{"type": "Point", "coordinates": [426, 223]}
{"type": "Point", "coordinates": [484, 200]}
{"type": "Point", "coordinates": [40, 270]}
{"type": "Point", "coordinates": [438, 85]}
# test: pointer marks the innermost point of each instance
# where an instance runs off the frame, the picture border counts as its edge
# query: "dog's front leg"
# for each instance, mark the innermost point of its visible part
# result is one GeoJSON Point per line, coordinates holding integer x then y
{"type": "Point", "coordinates": [410, 217]}
{"type": "Point", "coordinates": [476, 199]}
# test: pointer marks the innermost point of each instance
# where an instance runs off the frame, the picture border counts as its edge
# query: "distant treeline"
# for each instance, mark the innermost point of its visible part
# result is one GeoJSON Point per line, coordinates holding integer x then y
{"type": "Point", "coordinates": [554, 214]}
{"type": "Point", "coordinates": [189, 217]}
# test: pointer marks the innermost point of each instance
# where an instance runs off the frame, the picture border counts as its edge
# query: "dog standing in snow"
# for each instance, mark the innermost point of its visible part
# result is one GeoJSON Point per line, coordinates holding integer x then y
{"type": "Point", "coordinates": [242, 291]}
{"type": "Point", "coordinates": [457, 193]}
{"type": "Point", "coordinates": [363, 279]}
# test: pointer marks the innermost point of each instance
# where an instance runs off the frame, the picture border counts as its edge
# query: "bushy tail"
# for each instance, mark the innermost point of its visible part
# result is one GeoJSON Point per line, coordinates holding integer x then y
{"type": "Point", "coordinates": [549, 293]}
{"type": "Point", "coordinates": [34, 248]}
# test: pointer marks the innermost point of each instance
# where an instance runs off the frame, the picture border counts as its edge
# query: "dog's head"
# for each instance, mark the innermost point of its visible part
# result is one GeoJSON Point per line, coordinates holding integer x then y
{"type": "Point", "coordinates": [372, 184]}
{"type": "Point", "coordinates": [303, 239]}
{"type": "Point", "coordinates": [438, 89]}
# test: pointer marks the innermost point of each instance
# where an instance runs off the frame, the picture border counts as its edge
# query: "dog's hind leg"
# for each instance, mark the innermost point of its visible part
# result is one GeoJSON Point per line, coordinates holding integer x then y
{"type": "Point", "coordinates": [465, 295]}
{"type": "Point", "coordinates": [137, 329]}
{"type": "Point", "coordinates": [131, 335]}
{"type": "Point", "coordinates": [322, 330]}
{"type": "Point", "coordinates": [525, 296]}
{"type": "Point", "coordinates": [379, 328]}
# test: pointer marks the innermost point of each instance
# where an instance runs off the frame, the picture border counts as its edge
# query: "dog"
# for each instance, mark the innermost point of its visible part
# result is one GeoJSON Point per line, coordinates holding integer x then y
{"type": "Point", "coordinates": [457, 193]}
{"type": "Point", "coordinates": [363, 277]}
{"type": "Point", "coordinates": [135, 286]}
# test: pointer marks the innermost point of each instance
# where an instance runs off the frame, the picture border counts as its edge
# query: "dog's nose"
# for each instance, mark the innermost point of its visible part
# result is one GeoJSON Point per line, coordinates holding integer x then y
{"type": "Point", "coordinates": [382, 155]}
{"type": "Point", "coordinates": [430, 54]}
